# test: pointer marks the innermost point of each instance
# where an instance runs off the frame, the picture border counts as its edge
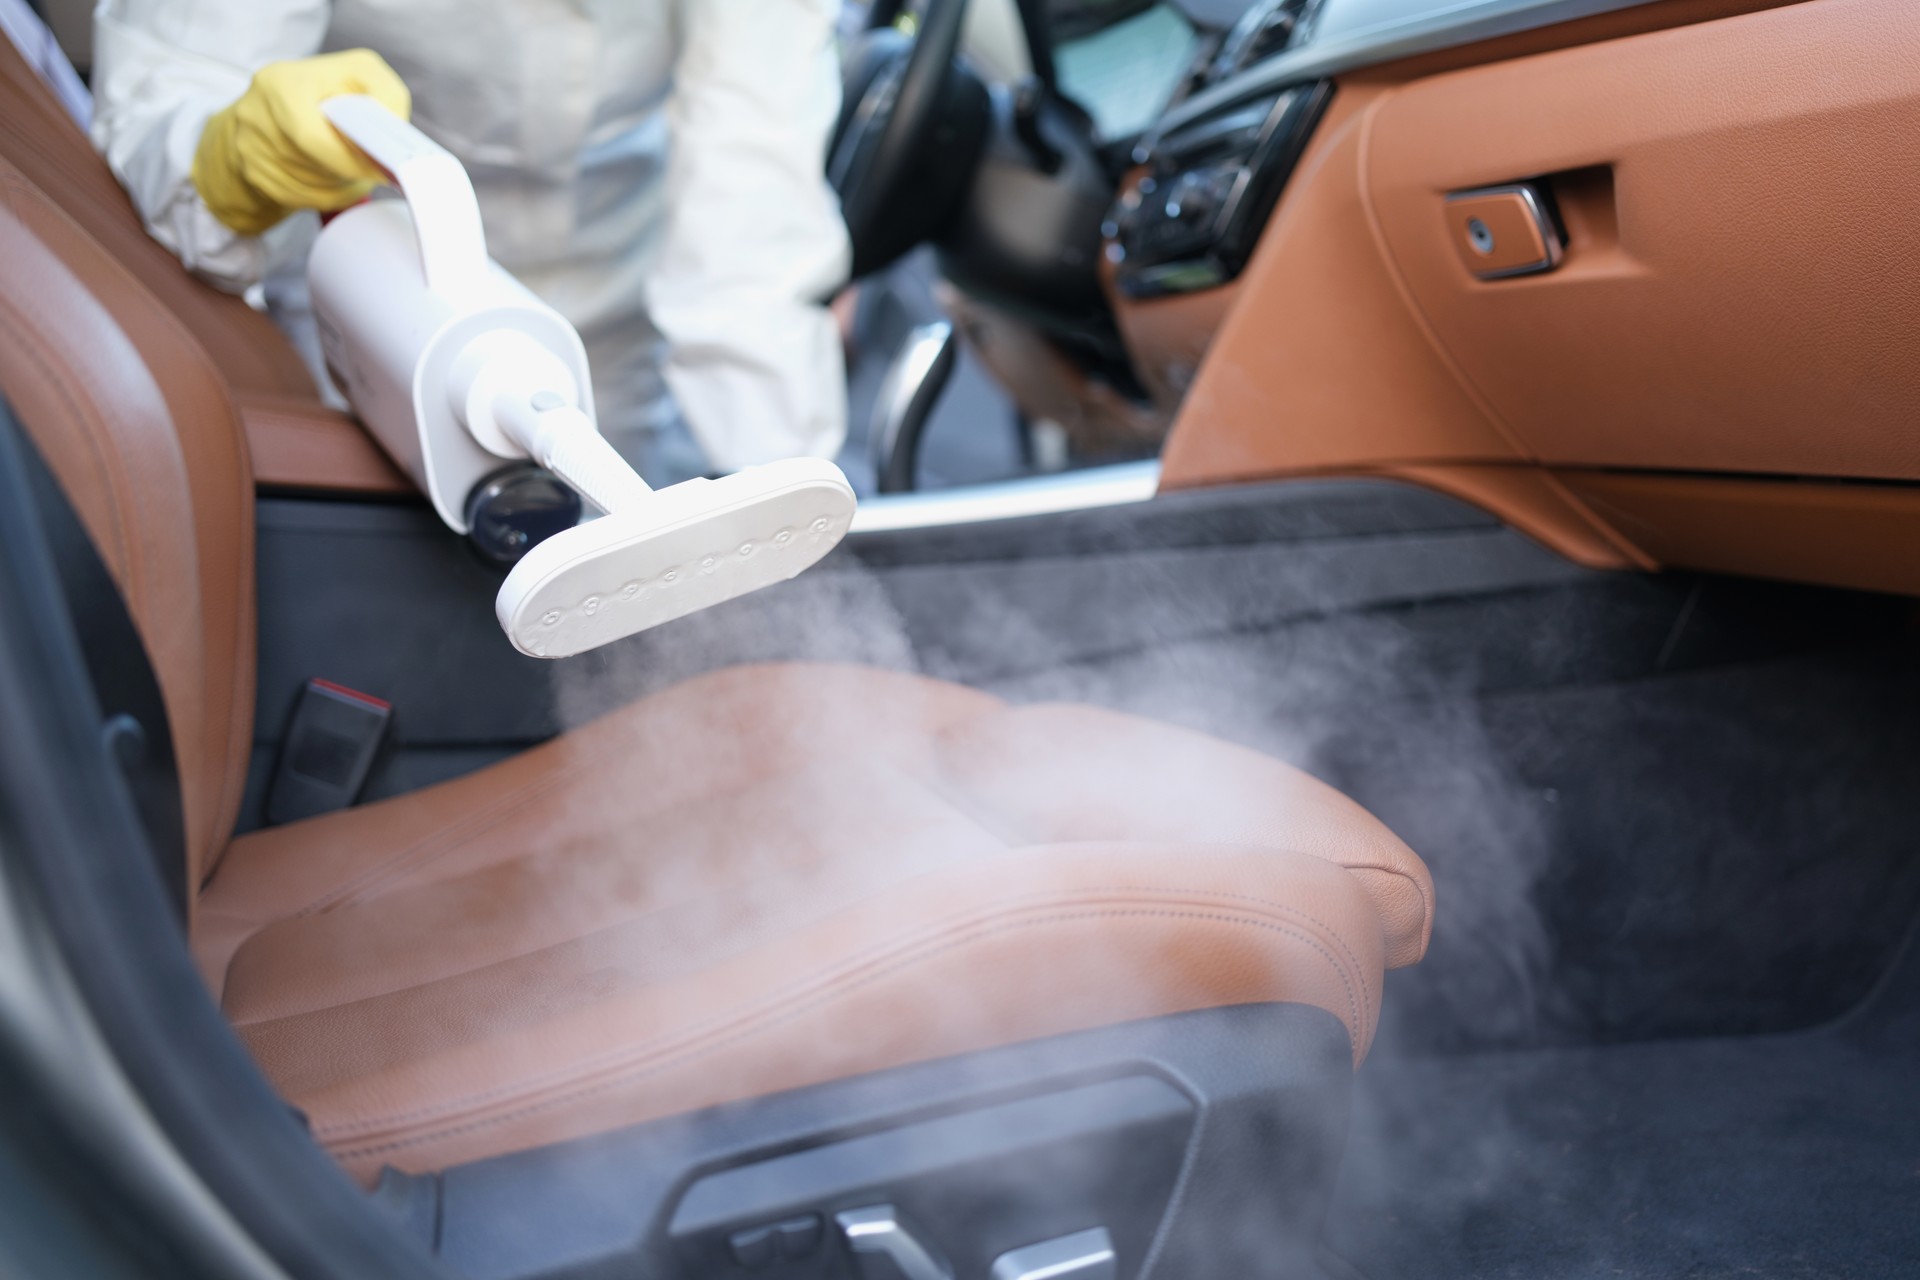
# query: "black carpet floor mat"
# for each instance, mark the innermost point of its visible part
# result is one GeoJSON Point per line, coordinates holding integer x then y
{"type": "Point", "coordinates": [1779, 1156]}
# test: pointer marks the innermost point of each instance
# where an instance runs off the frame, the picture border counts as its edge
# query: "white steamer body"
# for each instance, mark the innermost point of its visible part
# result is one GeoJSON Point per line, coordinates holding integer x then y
{"type": "Point", "coordinates": [390, 341]}
{"type": "Point", "coordinates": [456, 368]}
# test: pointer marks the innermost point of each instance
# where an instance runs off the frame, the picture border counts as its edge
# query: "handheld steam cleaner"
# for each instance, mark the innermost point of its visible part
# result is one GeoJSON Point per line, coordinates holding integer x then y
{"type": "Point", "coordinates": [456, 367]}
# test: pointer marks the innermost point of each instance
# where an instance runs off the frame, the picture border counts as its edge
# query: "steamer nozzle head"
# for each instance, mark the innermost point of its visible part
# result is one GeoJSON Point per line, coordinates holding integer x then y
{"type": "Point", "coordinates": [455, 367]}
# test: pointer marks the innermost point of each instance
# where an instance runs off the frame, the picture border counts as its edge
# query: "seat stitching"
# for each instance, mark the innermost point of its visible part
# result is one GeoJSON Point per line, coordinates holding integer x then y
{"type": "Point", "coordinates": [981, 814]}
{"type": "Point", "coordinates": [955, 796]}
{"type": "Point", "coordinates": [141, 298]}
{"type": "Point", "coordinates": [836, 991]}
{"type": "Point", "coordinates": [1012, 902]}
{"type": "Point", "coordinates": [26, 340]}
{"type": "Point", "coordinates": [628, 920]}
{"type": "Point", "coordinates": [1332, 932]}
{"type": "Point", "coordinates": [832, 990]}
{"type": "Point", "coordinates": [1239, 749]}
{"type": "Point", "coordinates": [436, 844]}
{"type": "Point", "coordinates": [1426, 900]}
{"type": "Point", "coordinates": [442, 842]}
{"type": "Point", "coordinates": [448, 840]}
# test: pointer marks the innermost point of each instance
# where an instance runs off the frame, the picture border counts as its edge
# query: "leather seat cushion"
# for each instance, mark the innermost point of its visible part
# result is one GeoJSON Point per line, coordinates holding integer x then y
{"type": "Point", "coordinates": [771, 876]}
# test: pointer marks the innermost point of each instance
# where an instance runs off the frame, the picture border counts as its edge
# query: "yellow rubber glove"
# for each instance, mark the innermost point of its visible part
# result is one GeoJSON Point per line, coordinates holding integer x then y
{"type": "Point", "coordinates": [273, 152]}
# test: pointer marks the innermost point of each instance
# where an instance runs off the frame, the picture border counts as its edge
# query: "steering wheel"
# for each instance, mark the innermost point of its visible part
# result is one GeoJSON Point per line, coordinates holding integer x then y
{"type": "Point", "coordinates": [911, 123]}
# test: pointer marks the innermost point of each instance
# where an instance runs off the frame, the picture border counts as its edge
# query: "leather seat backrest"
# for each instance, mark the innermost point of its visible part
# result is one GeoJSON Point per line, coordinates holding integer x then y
{"type": "Point", "coordinates": [136, 422]}
{"type": "Point", "coordinates": [42, 141]}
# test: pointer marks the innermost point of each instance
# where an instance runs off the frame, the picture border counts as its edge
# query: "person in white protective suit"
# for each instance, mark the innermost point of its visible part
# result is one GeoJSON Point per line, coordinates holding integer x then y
{"type": "Point", "coordinates": [653, 169]}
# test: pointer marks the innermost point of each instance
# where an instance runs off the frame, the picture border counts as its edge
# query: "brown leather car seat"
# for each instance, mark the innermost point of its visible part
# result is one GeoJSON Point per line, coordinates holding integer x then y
{"type": "Point", "coordinates": [297, 440]}
{"type": "Point", "coordinates": [41, 140]}
{"type": "Point", "coordinates": [762, 878]}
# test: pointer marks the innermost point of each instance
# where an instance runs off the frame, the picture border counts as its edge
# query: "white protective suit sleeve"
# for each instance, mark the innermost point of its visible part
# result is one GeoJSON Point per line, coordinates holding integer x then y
{"type": "Point", "coordinates": [754, 241]}
{"type": "Point", "coordinates": [160, 68]}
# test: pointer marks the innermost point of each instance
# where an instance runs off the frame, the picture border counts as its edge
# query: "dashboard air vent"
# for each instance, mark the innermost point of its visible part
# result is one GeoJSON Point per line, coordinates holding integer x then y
{"type": "Point", "coordinates": [1267, 28]}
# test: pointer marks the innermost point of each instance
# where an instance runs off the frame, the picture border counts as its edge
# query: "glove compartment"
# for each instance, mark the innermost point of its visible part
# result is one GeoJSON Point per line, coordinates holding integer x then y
{"type": "Point", "coordinates": [1740, 287]}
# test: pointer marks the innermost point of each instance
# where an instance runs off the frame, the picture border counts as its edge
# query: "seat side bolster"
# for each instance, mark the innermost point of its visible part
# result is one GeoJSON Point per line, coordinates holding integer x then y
{"type": "Point", "coordinates": [136, 427]}
{"type": "Point", "coordinates": [1060, 772]}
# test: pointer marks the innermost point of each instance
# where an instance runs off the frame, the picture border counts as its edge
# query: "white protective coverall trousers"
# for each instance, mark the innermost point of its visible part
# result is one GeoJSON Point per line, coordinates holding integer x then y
{"type": "Point", "coordinates": [651, 168]}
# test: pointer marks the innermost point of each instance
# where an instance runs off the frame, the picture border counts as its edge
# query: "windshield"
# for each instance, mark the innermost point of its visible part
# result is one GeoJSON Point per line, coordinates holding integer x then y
{"type": "Point", "coordinates": [1121, 60]}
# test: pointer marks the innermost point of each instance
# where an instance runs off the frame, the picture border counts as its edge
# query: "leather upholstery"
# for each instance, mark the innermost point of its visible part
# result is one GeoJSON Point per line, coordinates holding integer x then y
{"type": "Point", "coordinates": [40, 139]}
{"type": "Point", "coordinates": [299, 443]}
{"type": "Point", "coordinates": [296, 440]}
{"type": "Point", "coordinates": [135, 423]}
{"type": "Point", "coordinates": [765, 877]}
{"type": "Point", "coordinates": [772, 876]}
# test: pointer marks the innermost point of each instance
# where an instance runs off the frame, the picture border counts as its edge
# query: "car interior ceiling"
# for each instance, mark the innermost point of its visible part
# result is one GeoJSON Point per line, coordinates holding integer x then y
{"type": "Point", "coordinates": [1663, 776]}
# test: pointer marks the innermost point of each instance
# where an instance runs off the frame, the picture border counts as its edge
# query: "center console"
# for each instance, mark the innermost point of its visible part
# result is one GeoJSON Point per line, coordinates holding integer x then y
{"type": "Point", "coordinates": [1210, 173]}
{"type": "Point", "coordinates": [1191, 220]}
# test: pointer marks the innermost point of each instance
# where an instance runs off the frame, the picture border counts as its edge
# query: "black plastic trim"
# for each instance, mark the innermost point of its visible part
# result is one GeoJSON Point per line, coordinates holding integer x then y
{"type": "Point", "coordinates": [1269, 1087]}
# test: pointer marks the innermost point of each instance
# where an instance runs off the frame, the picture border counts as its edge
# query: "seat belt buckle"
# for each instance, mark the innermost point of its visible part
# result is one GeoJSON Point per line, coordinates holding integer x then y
{"type": "Point", "coordinates": [331, 743]}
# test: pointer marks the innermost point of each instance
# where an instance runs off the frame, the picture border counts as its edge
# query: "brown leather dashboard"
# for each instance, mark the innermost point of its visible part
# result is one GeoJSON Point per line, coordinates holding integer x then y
{"type": "Point", "coordinates": [1728, 349]}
